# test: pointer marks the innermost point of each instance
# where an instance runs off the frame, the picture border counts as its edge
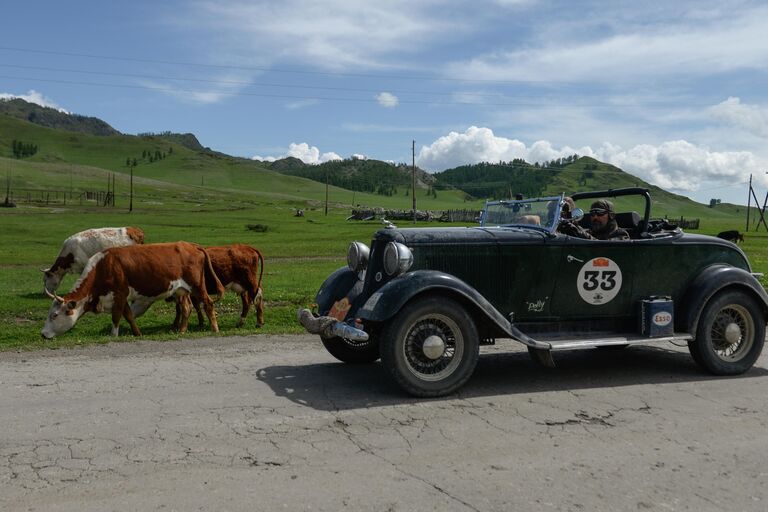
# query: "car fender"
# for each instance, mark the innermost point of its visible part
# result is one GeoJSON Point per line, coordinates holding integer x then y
{"type": "Point", "coordinates": [335, 287]}
{"type": "Point", "coordinates": [710, 281]}
{"type": "Point", "coordinates": [391, 297]}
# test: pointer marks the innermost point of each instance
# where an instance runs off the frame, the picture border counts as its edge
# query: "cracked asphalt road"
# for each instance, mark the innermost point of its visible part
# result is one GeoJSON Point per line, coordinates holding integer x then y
{"type": "Point", "coordinates": [275, 423]}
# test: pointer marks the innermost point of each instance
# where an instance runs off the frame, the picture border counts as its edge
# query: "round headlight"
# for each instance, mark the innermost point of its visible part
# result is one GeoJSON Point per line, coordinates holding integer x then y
{"type": "Point", "coordinates": [397, 258]}
{"type": "Point", "coordinates": [357, 256]}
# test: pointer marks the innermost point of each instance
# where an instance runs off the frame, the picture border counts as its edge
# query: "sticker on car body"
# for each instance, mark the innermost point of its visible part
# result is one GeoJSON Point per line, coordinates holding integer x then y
{"type": "Point", "coordinates": [599, 281]}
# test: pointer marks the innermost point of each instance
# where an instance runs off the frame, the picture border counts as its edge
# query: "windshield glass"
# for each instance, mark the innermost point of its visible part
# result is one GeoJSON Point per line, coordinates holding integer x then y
{"type": "Point", "coordinates": [540, 213]}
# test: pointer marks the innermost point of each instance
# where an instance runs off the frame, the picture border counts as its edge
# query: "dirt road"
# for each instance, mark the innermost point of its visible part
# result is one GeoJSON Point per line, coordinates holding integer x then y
{"type": "Point", "coordinates": [274, 423]}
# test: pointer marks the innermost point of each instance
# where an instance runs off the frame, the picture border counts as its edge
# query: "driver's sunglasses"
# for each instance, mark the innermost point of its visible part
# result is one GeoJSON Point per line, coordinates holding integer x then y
{"type": "Point", "coordinates": [598, 212]}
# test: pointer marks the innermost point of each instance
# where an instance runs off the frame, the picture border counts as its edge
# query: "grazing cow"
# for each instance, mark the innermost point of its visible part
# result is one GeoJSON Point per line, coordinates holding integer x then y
{"type": "Point", "coordinates": [78, 248]}
{"type": "Point", "coordinates": [731, 235]}
{"type": "Point", "coordinates": [137, 274]}
{"type": "Point", "coordinates": [236, 266]}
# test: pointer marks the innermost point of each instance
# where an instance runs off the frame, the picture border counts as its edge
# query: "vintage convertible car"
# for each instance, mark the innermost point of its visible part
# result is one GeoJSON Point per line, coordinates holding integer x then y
{"type": "Point", "coordinates": [425, 299]}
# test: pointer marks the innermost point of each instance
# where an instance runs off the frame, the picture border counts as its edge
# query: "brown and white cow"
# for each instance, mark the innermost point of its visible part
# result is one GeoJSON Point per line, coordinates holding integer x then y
{"type": "Point", "coordinates": [127, 280]}
{"type": "Point", "coordinates": [240, 268]}
{"type": "Point", "coordinates": [78, 249]}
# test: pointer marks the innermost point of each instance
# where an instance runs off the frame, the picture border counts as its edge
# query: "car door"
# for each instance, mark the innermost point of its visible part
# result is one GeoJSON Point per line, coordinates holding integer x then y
{"type": "Point", "coordinates": [594, 279]}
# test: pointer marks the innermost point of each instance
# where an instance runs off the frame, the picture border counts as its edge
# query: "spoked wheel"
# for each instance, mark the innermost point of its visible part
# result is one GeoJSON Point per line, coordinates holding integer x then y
{"type": "Point", "coordinates": [430, 347]}
{"type": "Point", "coordinates": [730, 335]}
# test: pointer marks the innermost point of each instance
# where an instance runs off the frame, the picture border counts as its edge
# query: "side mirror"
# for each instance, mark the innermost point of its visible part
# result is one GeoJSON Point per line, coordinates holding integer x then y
{"type": "Point", "coordinates": [577, 214]}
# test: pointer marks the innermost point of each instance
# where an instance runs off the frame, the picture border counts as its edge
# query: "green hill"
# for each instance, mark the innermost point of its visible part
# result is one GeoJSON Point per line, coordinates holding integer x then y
{"type": "Point", "coordinates": [78, 161]}
{"type": "Point", "coordinates": [81, 162]}
{"type": "Point", "coordinates": [52, 118]}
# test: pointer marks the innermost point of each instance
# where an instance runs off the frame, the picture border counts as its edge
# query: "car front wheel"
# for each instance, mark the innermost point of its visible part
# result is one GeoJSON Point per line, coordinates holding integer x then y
{"type": "Point", "coordinates": [430, 347]}
{"type": "Point", "coordinates": [730, 335]}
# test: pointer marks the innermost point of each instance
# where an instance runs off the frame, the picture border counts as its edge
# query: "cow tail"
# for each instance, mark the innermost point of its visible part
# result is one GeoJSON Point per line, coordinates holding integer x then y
{"type": "Point", "coordinates": [260, 263]}
{"type": "Point", "coordinates": [212, 282]}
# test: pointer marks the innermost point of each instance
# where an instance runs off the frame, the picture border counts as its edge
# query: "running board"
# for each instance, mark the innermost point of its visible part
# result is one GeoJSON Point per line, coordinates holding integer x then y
{"type": "Point", "coordinates": [560, 343]}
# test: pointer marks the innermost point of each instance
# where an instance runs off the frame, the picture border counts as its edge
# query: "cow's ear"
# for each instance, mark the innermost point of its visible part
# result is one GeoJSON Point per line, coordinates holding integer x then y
{"type": "Point", "coordinates": [71, 304]}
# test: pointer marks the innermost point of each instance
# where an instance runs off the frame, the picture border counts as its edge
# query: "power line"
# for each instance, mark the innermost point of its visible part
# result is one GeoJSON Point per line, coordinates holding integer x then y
{"type": "Point", "coordinates": [274, 70]}
{"type": "Point", "coordinates": [171, 90]}
{"type": "Point", "coordinates": [256, 84]}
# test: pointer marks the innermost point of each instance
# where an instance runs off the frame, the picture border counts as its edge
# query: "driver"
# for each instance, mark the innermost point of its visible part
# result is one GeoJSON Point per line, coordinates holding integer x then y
{"type": "Point", "coordinates": [603, 224]}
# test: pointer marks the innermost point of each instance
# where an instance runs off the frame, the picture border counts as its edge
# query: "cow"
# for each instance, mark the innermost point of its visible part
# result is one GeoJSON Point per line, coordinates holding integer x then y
{"type": "Point", "coordinates": [236, 266]}
{"type": "Point", "coordinates": [127, 280]}
{"type": "Point", "coordinates": [731, 235]}
{"type": "Point", "coordinates": [78, 248]}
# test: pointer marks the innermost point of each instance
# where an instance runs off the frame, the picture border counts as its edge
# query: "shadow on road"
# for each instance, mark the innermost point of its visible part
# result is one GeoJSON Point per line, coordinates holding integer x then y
{"type": "Point", "coordinates": [340, 386]}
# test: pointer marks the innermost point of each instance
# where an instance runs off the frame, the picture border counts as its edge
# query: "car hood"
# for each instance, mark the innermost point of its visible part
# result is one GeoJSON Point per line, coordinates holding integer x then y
{"type": "Point", "coordinates": [459, 235]}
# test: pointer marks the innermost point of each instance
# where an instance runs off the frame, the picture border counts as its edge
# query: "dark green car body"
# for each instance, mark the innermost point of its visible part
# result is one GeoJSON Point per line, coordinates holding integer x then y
{"type": "Point", "coordinates": [546, 289]}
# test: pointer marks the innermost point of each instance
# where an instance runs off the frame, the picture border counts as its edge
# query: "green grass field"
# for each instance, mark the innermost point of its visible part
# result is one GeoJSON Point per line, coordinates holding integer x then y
{"type": "Point", "coordinates": [209, 200]}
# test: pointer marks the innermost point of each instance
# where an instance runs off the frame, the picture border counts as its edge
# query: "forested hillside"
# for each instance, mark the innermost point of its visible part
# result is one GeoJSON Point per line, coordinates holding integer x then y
{"type": "Point", "coordinates": [373, 176]}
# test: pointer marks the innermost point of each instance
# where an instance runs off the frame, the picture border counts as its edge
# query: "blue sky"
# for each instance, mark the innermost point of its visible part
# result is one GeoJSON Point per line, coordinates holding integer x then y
{"type": "Point", "coordinates": [673, 92]}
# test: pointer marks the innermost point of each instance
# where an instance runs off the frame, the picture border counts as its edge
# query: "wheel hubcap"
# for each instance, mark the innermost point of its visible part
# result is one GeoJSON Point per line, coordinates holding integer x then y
{"type": "Point", "coordinates": [732, 333]}
{"type": "Point", "coordinates": [434, 347]}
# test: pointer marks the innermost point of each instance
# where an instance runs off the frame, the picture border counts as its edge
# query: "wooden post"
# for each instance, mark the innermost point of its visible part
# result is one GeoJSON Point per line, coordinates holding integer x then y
{"type": "Point", "coordinates": [413, 178]}
{"type": "Point", "coordinates": [130, 204]}
{"type": "Point", "coordinates": [749, 200]}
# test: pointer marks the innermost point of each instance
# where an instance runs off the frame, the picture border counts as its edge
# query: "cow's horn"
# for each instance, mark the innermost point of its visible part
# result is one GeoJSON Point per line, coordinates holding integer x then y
{"type": "Point", "coordinates": [53, 296]}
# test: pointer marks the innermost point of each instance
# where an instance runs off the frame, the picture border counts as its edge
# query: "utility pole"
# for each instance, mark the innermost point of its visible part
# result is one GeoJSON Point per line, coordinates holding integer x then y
{"type": "Point", "coordinates": [413, 178]}
{"type": "Point", "coordinates": [130, 204]}
{"type": "Point", "coordinates": [326, 192]}
{"type": "Point", "coordinates": [749, 201]}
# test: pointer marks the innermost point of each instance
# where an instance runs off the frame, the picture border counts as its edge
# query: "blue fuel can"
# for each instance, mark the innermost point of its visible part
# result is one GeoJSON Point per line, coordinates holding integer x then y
{"type": "Point", "coordinates": [657, 317]}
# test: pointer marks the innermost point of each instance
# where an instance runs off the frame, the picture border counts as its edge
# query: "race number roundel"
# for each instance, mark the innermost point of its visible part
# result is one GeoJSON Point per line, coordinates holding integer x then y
{"type": "Point", "coordinates": [599, 281]}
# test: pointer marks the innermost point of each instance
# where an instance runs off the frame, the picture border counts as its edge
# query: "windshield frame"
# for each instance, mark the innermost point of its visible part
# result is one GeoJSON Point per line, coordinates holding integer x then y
{"type": "Point", "coordinates": [520, 204]}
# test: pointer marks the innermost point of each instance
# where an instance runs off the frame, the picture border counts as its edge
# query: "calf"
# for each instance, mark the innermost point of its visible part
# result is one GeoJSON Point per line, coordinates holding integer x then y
{"type": "Point", "coordinates": [236, 266]}
{"type": "Point", "coordinates": [140, 274]}
{"type": "Point", "coordinates": [78, 248]}
{"type": "Point", "coordinates": [731, 235]}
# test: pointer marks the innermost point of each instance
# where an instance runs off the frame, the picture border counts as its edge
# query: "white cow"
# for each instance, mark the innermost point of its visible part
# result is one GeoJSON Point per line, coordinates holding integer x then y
{"type": "Point", "coordinates": [78, 248]}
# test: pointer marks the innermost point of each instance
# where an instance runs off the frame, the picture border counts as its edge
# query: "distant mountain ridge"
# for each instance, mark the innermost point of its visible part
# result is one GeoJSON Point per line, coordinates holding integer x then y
{"type": "Point", "coordinates": [188, 140]}
{"type": "Point", "coordinates": [52, 118]}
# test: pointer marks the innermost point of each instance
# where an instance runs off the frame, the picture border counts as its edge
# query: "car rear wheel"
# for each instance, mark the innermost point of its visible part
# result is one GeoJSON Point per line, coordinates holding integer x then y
{"type": "Point", "coordinates": [349, 351]}
{"type": "Point", "coordinates": [430, 347]}
{"type": "Point", "coordinates": [730, 335]}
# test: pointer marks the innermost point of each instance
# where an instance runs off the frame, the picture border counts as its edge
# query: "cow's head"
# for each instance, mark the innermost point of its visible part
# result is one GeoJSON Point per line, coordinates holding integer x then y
{"type": "Point", "coordinates": [62, 316]}
{"type": "Point", "coordinates": [51, 279]}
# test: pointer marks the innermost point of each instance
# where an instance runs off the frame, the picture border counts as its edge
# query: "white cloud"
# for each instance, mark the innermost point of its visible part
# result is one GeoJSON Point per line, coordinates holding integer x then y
{"type": "Point", "coordinates": [387, 100]}
{"type": "Point", "coordinates": [304, 152]}
{"type": "Point", "coordinates": [296, 105]}
{"type": "Point", "coordinates": [673, 165]}
{"type": "Point", "coordinates": [750, 118]}
{"type": "Point", "coordinates": [472, 146]}
{"type": "Point", "coordinates": [223, 86]}
{"type": "Point", "coordinates": [684, 47]}
{"type": "Point", "coordinates": [334, 34]}
{"type": "Point", "coordinates": [33, 96]}
{"type": "Point", "coordinates": [681, 166]}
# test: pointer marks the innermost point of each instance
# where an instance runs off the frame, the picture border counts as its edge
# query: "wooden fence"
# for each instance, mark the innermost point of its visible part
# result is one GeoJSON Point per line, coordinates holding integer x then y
{"type": "Point", "coordinates": [685, 223]}
{"type": "Point", "coordinates": [421, 215]}
{"type": "Point", "coordinates": [61, 197]}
